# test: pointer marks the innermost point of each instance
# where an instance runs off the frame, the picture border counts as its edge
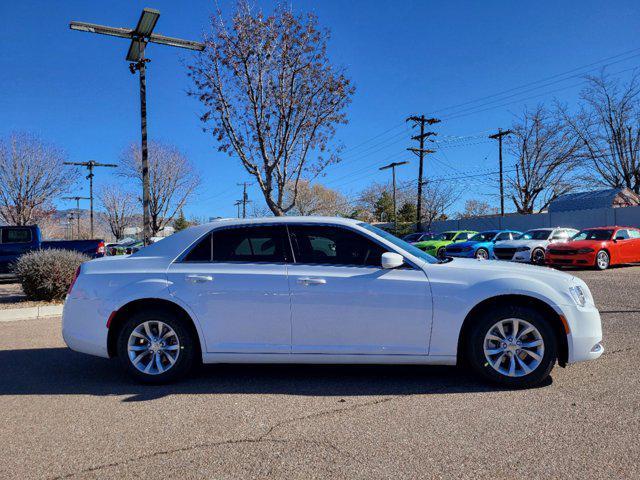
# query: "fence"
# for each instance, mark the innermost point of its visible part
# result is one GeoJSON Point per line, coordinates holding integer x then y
{"type": "Point", "coordinates": [597, 217]}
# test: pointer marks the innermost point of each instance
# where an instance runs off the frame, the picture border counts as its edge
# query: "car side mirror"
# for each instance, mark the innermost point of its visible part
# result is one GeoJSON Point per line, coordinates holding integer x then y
{"type": "Point", "coordinates": [619, 238]}
{"type": "Point", "coordinates": [391, 260]}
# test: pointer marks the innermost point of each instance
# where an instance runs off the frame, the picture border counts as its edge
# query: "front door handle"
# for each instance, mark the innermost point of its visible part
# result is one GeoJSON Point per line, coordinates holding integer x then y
{"type": "Point", "coordinates": [311, 281]}
{"type": "Point", "coordinates": [199, 278]}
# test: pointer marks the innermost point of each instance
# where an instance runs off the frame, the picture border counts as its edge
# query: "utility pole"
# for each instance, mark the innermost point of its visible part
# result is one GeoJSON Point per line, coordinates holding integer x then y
{"type": "Point", "coordinates": [77, 199]}
{"type": "Point", "coordinates": [421, 151]}
{"type": "Point", "coordinates": [91, 164]}
{"type": "Point", "coordinates": [393, 166]}
{"type": "Point", "coordinates": [140, 36]}
{"type": "Point", "coordinates": [237, 204]}
{"type": "Point", "coordinates": [498, 136]}
{"type": "Point", "coordinates": [245, 198]}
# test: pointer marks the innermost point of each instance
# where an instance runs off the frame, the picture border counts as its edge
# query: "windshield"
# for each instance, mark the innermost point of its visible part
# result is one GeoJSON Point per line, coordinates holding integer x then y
{"type": "Point", "coordinates": [593, 235]}
{"type": "Point", "coordinates": [483, 237]}
{"type": "Point", "coordinates": [412, 237]}
{"type": "Point", "coordinates": [416, 252]}
{"type": "Point", "coordinates": [445, 236]}
{"type": "Point", "coordinates": [535, 235]}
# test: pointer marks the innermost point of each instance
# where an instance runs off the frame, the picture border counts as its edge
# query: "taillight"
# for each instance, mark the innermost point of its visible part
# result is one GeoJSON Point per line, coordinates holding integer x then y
{"type": "Point", "coordinates": [73, 282]}
{"type": "Point", "coordinates": [100, 250]}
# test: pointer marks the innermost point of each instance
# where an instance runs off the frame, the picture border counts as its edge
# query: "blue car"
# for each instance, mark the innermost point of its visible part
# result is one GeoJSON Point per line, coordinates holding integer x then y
{"type": "Point", "coordinates": [481, 244]}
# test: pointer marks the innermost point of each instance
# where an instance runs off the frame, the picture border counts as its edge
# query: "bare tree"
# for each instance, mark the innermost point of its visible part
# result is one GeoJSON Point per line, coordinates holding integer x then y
{"type": "Point", "coordinates": [376, 200]}
{"type": "Point", "coordinates": [437, 199]}
{"type": "Point", "coordinates": [32, 175]}
{"type": "Point", "coordinates": [477, 208]}
{"type": "Point", "coordinates": [119, 208]}
{"type": "Point", "coordinates": [546, 155]}
{"type": "Point", "coordinates": [608, 129]}
{"type": "Point", "coordinates": [172, 180]}
{"type": "Point", "coordinates": [316, 199]}
{"type": "Point", "coordinates": [273, 97]}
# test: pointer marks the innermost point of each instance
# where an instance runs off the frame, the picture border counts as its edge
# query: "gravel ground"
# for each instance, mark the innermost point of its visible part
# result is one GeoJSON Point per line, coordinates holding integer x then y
{"type": "Point", "coordinates": [11, 296]}
{"type": "Point", "coordinates": [66, 415]}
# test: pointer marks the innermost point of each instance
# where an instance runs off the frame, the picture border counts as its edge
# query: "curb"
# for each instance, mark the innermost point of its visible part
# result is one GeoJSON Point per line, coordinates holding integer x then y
{"type": "Point", "coordinates": [30, 313]}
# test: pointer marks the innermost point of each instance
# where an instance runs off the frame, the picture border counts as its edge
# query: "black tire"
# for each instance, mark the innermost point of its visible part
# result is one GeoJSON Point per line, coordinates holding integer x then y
{"type": "Point", "coordinates": [482, 253]}
{"type": "Point", "coordinates": [442, 253]}
{"type": "Point", "coordinates": [602, 260]}
{"type": "Point", "coordinates": [479, 362]}
{"type": "Point", "coordinates": [188, 348]}
{"type": "Point", "coordinates": [537, 256]}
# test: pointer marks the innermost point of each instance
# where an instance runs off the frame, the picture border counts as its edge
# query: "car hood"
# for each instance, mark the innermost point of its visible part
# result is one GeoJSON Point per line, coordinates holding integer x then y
{"type": "Point", "coordinates": [497, 268]}
{"type": "Point", "coordinates": [433, 243]}
{"type": "Point", "coordinates": [520, 243]}
{"type": "Point", "coordinates": [464, 244]}
{"type": "Point", "coordinates": [577, 244]}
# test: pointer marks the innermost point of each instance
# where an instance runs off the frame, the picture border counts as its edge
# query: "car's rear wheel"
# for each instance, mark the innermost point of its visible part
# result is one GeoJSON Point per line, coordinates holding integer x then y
{"type": "Point", "coordinates": [482, 253]}
{"type": "Point", "coordinates": [442, 253]}
{"type": "Point", "coordinates": [537, 256]}
{"type": "Point", "coordinates": [602, 260]}
{"type": "Point", "coordinates": [156, 347]}
{"type": "Point", "coordinates": [513, 346]}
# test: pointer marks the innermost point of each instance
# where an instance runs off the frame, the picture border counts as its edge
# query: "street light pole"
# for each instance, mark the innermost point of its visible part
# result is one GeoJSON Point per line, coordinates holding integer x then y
{"type": "Point", "coordinates": [140, 36]}
{"type": "Point", "coordinates": [393, 166]}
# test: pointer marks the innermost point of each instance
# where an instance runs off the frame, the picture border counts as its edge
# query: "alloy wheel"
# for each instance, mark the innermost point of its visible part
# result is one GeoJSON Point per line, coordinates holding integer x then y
{"type": "Point", "coordinates": [153, 347]}
{"type": "Point", "coordinates": [513, 347]}
{"type": "Point", "coordinates": [482, 253]}
{"type": "Point", "coordinates": [538, 256]}
{"type": "Point", "coordinates": [603, 260]}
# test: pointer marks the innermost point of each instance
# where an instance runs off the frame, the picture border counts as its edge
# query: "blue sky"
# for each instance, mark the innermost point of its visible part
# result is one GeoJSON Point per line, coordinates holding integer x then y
{"type": "Point", "coordinates": [405, 58]}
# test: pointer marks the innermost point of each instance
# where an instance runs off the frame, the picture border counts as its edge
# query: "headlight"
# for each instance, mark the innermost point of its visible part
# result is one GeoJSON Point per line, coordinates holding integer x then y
{"type": "Point", "coordinates": [586, 250]}
{"type": "Point", "coordinates": [578, 295]}
{"type": "Point", "coordinates": [523, 249]}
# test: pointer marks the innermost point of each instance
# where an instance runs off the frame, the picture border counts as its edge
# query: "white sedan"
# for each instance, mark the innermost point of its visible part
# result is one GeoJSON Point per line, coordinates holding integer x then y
{"type": "Point", "coordinates": [324, 290]}
{"type": "Point", "coordinates": [530, 246]}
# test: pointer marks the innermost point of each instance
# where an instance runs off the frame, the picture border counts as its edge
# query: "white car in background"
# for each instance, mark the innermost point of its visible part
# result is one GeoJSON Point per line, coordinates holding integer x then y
{"type": "Point", "coordinates": [324, 290]}
{"type": "Point", "coordinates": [531, 245]}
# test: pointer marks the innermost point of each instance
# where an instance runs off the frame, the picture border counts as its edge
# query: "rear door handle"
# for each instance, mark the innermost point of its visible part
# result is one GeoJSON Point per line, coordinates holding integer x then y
{"type": "Point", "coordinates": [199, 278]}
{"type": "Point", "coordinates": [311, 281]}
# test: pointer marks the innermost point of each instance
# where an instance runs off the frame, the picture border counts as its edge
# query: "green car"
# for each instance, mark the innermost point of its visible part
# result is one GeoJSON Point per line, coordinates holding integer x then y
{"type": "Point", "coordinates": [437, 245]}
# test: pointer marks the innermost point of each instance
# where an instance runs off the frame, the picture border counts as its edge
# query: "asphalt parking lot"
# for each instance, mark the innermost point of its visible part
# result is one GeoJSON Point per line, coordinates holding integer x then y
{"type": "Point", "coordinates": [66, 415]}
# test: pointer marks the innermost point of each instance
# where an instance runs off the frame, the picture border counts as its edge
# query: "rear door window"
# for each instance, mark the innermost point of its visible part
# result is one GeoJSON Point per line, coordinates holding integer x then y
{"type": "Point", "coordinates": [254, 244]}
{"type": "Point", "coordinates": [16, 235]}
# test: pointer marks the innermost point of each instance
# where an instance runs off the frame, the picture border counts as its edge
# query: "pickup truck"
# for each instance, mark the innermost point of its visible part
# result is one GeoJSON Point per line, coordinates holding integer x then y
{"type": "Point", "coordinates": [16, 241]}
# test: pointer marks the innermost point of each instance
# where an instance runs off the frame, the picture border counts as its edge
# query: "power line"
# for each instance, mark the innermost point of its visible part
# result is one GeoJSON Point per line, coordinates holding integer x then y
{"type": "Point", "coordinates": [546, 79]}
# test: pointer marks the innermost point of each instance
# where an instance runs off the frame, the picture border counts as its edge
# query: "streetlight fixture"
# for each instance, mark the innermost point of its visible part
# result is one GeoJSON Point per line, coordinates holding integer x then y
{"type": "Point", "coordinates": [140, 36]}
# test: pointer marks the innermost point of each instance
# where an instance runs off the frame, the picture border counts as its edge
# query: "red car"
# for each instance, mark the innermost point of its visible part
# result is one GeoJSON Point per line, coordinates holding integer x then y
{"type": "Point", "coordinates": [597, 247]}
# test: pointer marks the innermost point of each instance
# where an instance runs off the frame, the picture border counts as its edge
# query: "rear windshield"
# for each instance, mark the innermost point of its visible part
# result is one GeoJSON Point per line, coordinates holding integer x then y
{"type": "Point", "coordinates": [593, 235]}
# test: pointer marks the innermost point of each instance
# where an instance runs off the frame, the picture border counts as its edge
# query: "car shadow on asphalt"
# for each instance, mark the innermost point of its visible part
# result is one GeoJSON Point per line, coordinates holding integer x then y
{"type": "Point", "coordinates": [60, 371]}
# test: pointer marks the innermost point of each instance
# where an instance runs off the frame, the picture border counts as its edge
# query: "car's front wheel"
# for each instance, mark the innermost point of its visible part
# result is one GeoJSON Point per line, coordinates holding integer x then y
{"type": "Point", "coordinates": [482, 253]}
{"type": "Point", "coordinates": [602, 260]}
{"type": "Point", "coordinates": [156, 347]}
{"type": "Point", "coordinates": [537, 256]}
{"type": "Point", "coordinates": [513, 346]}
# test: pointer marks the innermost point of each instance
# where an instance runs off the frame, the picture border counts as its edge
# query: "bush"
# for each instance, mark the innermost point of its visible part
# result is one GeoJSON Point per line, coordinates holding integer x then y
{"type": "Point", "coordinates": [47, 274]}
